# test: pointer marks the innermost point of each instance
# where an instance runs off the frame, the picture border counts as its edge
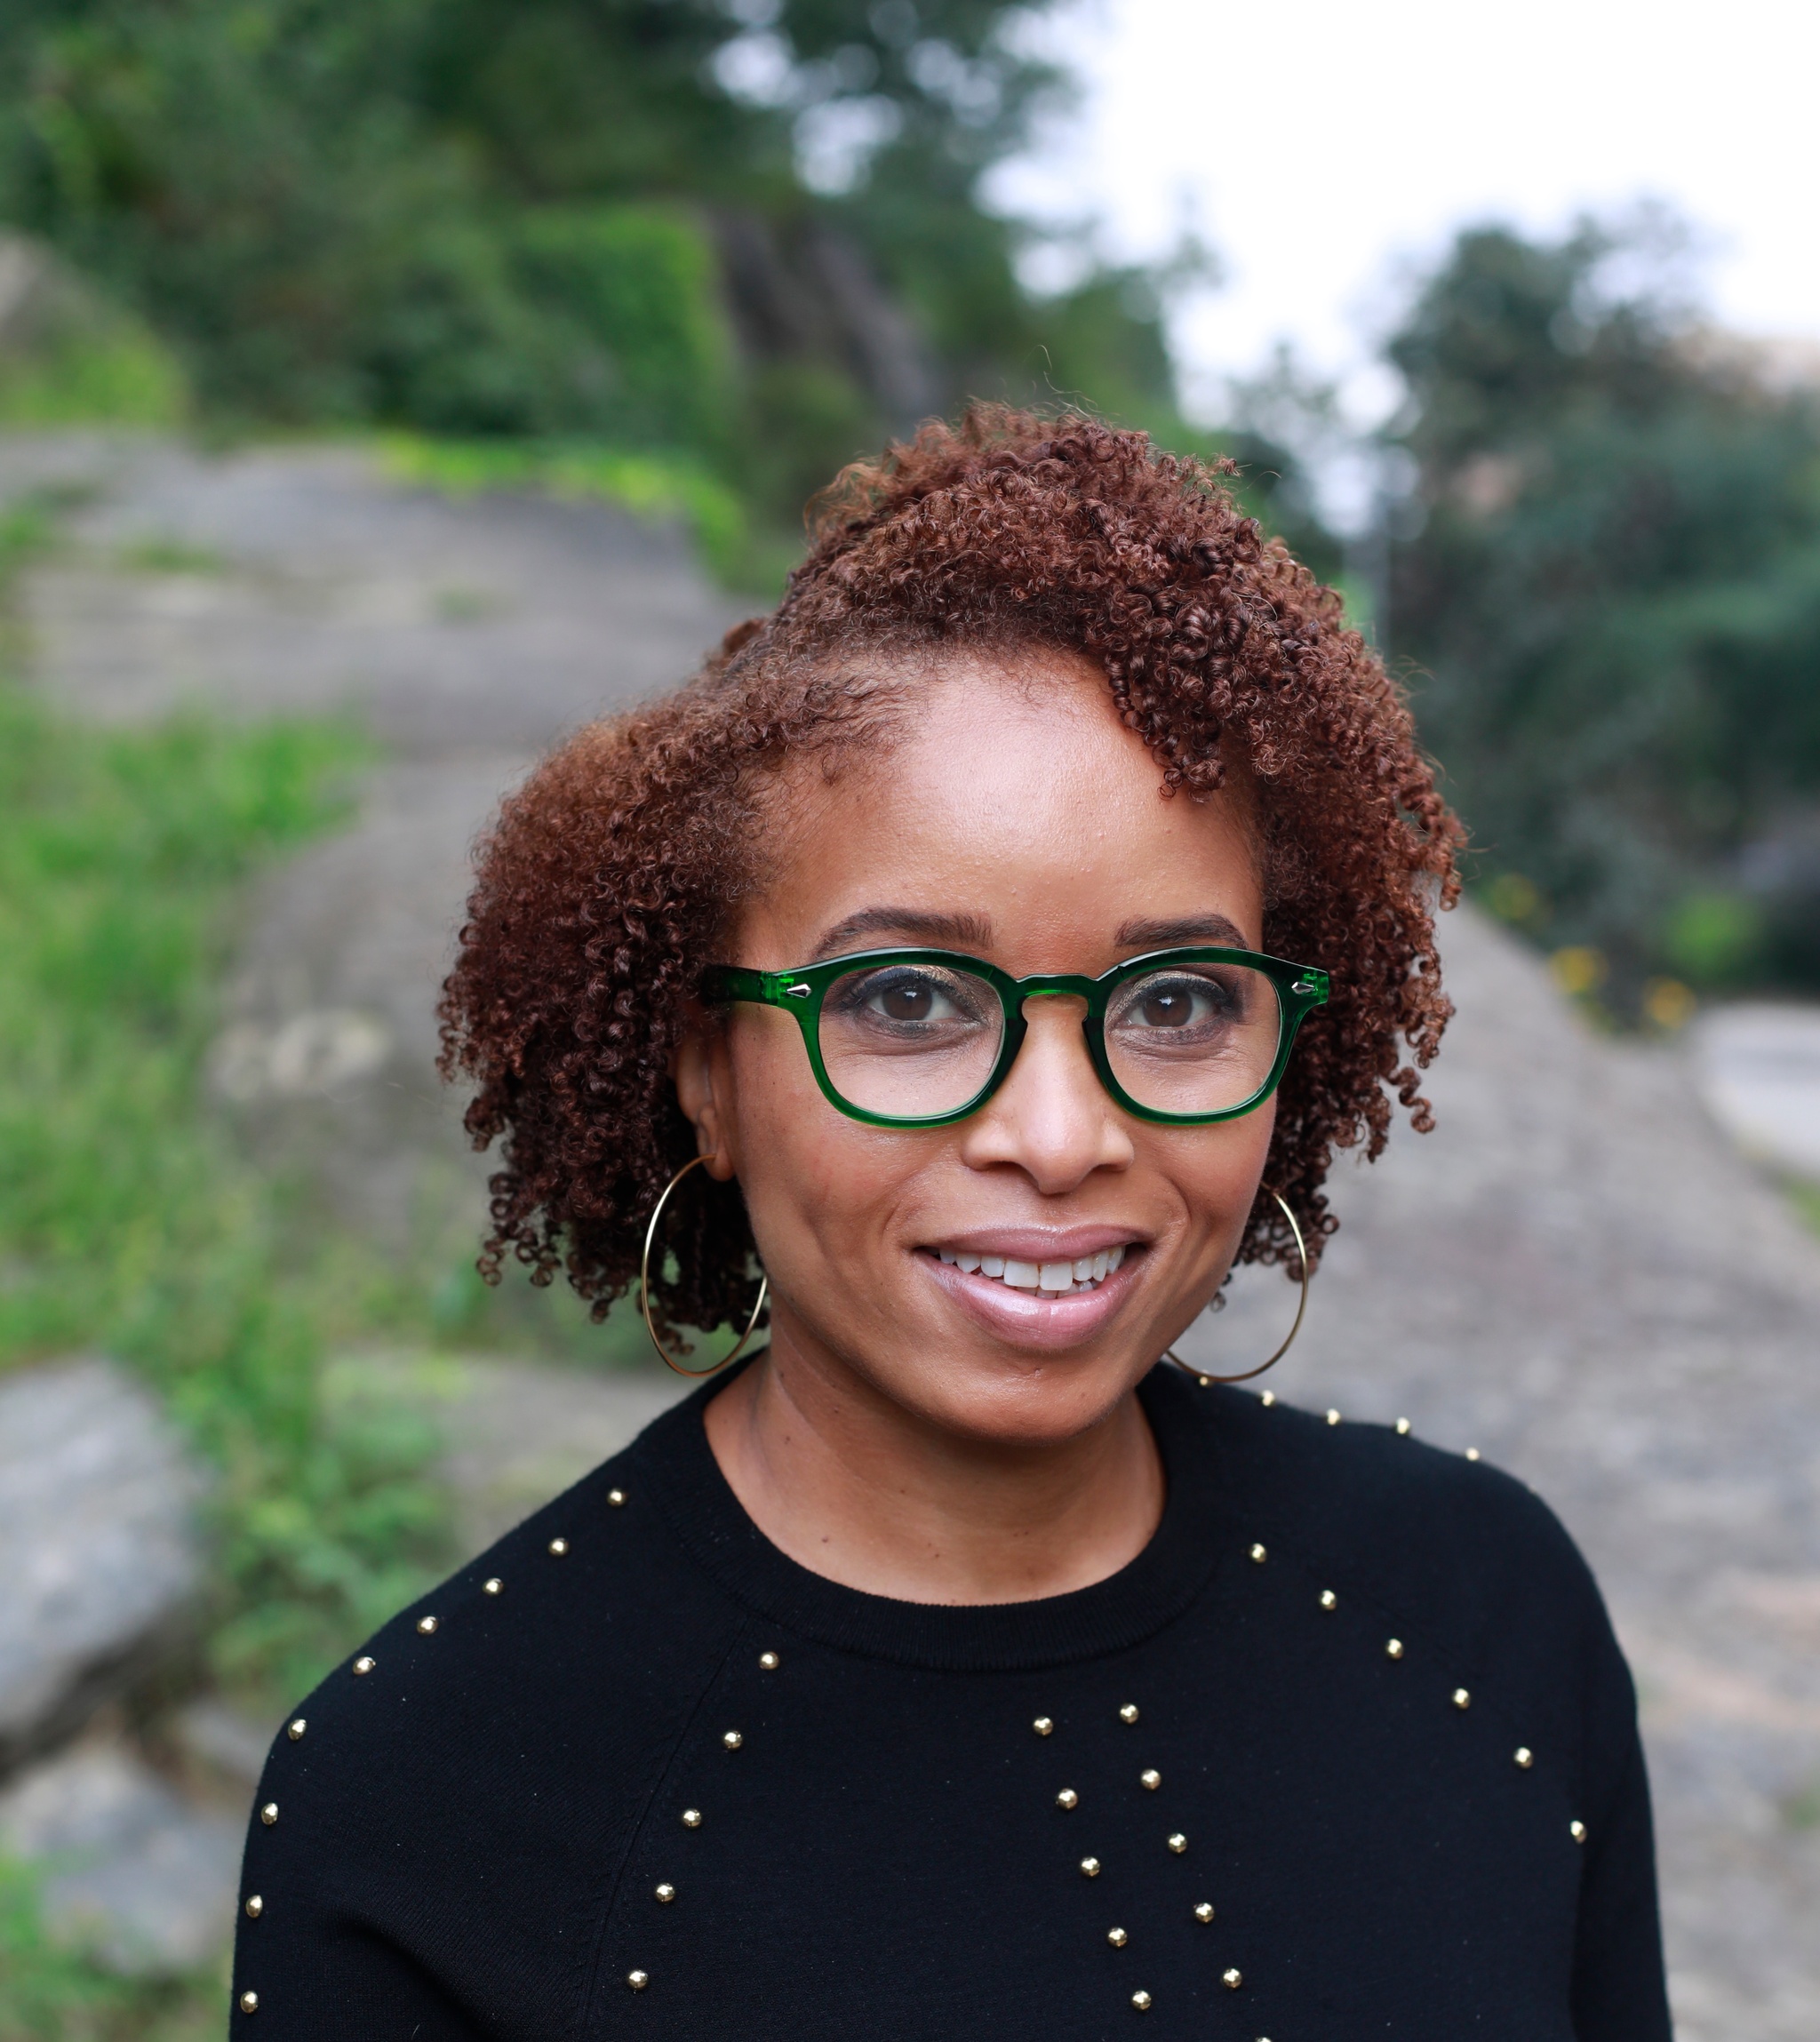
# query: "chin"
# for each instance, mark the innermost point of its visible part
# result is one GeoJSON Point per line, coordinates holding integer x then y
{"type": "Point", "coordinates": [1021, 1399]}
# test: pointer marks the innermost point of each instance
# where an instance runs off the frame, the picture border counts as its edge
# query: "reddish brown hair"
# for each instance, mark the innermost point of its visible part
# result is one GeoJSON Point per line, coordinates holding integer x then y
{"type": "Point", "coordinates": [613, 874]}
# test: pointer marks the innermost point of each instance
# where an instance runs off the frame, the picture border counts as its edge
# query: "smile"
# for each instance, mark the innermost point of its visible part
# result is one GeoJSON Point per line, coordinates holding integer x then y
{"type": "Point", "coordinates": [1086, 1272]}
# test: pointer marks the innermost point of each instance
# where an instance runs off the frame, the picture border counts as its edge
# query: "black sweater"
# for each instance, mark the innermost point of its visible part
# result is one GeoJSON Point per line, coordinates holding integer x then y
{"type": "Point", "coordinates": [1348, 1750]}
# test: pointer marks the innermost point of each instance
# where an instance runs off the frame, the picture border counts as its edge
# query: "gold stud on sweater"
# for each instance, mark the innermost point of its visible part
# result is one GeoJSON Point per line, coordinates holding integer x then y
{"type": "Point", "coordinates": [732, 1739]}
{"type": "Point", "coordinates": [255, 1907]}
{"type": "Point", "coordinates": [365, 1663]}
{"type": "Point", "coordinates": [1043, 1726]}
{"type": "Point", "coordinates": [1333, 1416]}
{"type": "Point", "coordinates": [1178, 1843]}
{"type": "Point", "coordinates": [248, 2003]}
{"type": "Point", "coordinates": [666, 1892]}
{"type": "Point", "coordinates": [691, 1818]}
{"type": "Point", "coordinates": [1524, 1757]}
{"type": "Point", "coordinates": [769, 1661]}
{"type": "Point", "coordinates": [295, 1728]}
{"type": "Point", "coordinates": [1117, 1938]}
{"type": "Point", "coordinates": [1394, 1649]}
{"type": "Point", "coordinates": [1150, 1778]}
{"type": "Point", "coordinates": [268, 1814]}
{"type": "Point", "coordinates": [1259, 1555]}
{"type": "Point", "coordinates": [1141, 2001]}
{"type": "Point", "coordinates": [428, 1625]}
{"type": "Point", "coordinates": [1577, 1830]}
{"type": "Point", "coordinates": [638, 1979]}
{"type": "Point", "coordinates": [1329, 1600]}
{"type": "Point", "coordinates": [559, 1546]}
{"type": "Point", "coordinates": [1090, 1866]}
{"type": "Point", "coordinates": [616, 1498]}
{"type": "Point", "coordinates": [1203, 1910]}
{"type": "Point", "coordinates": [1402, 1428]}
{"type": "Point", "coordinates": [1268, 1399]}
{"type": "Point", "coordinates": [1232, 1978]}
{"type": "Point", "coordinates": [1462, 1699]}
{"type": "Point", "coordinates": [1068, 1798]}
{"type": "Point", "coordinates": [492, 1587]}
{"type": "Point", "coordinates": [1129, 1714]}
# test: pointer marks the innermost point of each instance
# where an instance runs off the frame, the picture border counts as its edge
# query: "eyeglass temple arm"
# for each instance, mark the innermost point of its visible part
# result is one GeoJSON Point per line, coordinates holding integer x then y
{"type": "Point", "coordinates": [723, 982]}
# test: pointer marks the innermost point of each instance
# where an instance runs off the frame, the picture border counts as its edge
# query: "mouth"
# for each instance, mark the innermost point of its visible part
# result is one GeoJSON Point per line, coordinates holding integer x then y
{"type": "Point", "coordinates": [1073, 1277]}
{"type": "Point", "coordinates": [1035, 1291]}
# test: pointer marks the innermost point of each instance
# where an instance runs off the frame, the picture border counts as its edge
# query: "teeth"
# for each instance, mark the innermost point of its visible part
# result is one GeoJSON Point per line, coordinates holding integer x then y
{"type": "Point", "coordinates": [1048, 1279]}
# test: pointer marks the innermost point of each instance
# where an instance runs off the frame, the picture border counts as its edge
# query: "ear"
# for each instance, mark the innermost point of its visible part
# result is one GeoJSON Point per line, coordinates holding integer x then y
{"type": "Point", "coordinates": [704, 1079]}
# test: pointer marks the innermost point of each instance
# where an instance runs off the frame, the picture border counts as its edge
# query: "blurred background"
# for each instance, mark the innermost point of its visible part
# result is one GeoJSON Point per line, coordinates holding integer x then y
{"type": "Point", "coordinates": [385, 389]}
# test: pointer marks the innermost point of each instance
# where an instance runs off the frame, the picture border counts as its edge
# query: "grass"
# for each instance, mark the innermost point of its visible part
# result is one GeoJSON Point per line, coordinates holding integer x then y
{"type": "Point", "coordinates": [130, 1225]}
{"type": "Point", "coordinates": [657, 487]}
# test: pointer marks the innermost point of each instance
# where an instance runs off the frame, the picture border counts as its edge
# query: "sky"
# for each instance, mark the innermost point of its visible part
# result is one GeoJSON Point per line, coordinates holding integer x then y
{"type": "Point", "coordinates": [1327, 151]}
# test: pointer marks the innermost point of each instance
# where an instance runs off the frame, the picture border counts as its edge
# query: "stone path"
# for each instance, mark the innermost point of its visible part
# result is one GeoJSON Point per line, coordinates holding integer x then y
{"type": "Point", "coordinates": [1576, 1273]}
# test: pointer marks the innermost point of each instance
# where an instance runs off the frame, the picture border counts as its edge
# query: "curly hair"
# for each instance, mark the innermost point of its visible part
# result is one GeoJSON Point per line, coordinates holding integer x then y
{"type": "Point", "coordinates": [613, 876]}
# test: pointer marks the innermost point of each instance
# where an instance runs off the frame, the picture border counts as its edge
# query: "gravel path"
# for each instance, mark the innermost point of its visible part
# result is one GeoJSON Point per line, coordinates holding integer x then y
{"type": "Point", "coordinates": [1576, 1273]}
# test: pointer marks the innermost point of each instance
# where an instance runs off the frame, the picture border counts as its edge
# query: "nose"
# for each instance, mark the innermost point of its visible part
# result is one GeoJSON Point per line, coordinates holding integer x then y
{"type": "Point", "coordinates": [1051, 1118]}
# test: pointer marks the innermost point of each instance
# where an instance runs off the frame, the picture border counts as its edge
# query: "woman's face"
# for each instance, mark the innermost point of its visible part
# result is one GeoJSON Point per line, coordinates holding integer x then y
{"type": "Point", "coordinates": [1014, 818]}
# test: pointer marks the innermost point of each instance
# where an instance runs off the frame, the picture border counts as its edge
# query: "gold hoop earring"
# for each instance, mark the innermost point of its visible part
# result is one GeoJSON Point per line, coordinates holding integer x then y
{"type": "Point", "coordinates": [1206, 1382]}
{"type": "Point", "coordinates": [650, 1234]}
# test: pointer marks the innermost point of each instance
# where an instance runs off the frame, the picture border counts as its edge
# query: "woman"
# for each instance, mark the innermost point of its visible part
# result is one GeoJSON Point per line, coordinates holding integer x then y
{"type": "Point", "coordinates": [992, 947]}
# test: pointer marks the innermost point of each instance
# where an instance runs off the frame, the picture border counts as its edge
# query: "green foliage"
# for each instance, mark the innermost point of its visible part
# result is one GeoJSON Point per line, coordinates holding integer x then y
{"type": "Point", "coordinates": [1612, 596]}
{"type": "Point", "coordinates": [68, 353]}
{"type": "Point", "coordinates": [655, 487]}
{"type": "Point", "coordinates": [129, 379]}
{"type": "Point", "coordinates": [127, 1222]}
{"type": "Point", "coordinates": [1715, 937]}
{"type": "Point", "coordinates": [50, 1993]}
{"type": "Point", "coordinates": [509, 218]}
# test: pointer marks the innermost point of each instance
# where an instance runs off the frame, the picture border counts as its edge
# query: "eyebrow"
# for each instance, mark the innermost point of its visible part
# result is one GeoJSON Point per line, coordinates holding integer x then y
{"type": "Point", "coordinates": [1143, 935]}
{"type": "Point", "coordinates": [923, 927]}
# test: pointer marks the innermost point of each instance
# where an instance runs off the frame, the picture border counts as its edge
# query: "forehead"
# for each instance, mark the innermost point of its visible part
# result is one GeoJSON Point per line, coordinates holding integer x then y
{"type": "Point", "coordinates": [1004, 787]}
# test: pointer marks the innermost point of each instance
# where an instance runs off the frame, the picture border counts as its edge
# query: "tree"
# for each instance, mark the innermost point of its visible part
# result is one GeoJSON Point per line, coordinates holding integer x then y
{"type": "Point", "coordinates": [744, 228]}
{"type": "Point", "coordinates": [1608, 591]}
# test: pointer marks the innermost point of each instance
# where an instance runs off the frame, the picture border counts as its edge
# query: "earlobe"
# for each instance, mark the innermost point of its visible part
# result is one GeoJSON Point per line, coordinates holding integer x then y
{"type": "Point", "coordinates": [693, 1069]}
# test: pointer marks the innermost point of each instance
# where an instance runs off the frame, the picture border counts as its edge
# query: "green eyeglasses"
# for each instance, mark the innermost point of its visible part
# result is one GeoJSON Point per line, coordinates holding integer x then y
{"type": "Point", "coordinates": [918, 1038]}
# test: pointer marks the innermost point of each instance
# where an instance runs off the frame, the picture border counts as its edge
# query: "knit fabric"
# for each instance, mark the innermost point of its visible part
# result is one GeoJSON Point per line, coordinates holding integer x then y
{"type": "Point", "coordinates": [1349, 1750]}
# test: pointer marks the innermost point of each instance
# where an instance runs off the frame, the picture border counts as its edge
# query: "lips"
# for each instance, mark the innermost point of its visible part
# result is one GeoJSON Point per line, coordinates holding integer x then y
{"type": "Point", "coordinates": [1048, 1309]}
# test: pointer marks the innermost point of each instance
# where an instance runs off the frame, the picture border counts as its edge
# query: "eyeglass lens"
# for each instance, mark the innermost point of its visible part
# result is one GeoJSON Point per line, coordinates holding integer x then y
{"type": "Point", "coordinates": [914, 1040]}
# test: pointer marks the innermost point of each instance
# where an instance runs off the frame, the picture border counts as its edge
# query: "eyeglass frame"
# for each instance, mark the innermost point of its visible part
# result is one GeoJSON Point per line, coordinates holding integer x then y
{"type": "Point", "coordinates": [1300, 988]}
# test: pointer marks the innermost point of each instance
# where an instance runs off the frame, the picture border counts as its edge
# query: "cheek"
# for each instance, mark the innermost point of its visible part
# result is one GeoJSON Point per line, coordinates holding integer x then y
{"type": "Point", "coordinates": [1216, 1179]}
{"type": "Point", "coordinates": [815, 1181]}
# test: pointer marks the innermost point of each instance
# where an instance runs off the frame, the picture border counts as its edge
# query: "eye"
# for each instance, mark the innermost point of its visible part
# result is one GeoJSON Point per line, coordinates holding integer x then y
{"type": "Point", "coordinates": [1178, 1002]}
{"type": "Point", "coordinates": [1166, 1006]}
{"type": "Point", "coordinates": [909, 997]}
{"type": "Point", "coordinates": [908, 1000]}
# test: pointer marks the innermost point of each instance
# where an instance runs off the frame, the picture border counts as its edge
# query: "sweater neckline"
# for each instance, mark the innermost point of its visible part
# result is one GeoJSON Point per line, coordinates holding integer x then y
{"type": "Point", "coordinates": [1149, 1591]}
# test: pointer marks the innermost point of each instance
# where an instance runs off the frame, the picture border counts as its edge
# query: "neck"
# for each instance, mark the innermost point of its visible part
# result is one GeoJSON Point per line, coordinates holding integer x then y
{"type": "Point", "coordinates": [854, 1487]}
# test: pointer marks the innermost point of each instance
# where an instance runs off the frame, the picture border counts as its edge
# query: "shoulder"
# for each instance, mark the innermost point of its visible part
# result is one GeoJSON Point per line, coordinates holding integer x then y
{"type": "Point", "coordinates": [575, 1640]}
{"type": "Point", "coordinates": [1397, 1518]}
{"type": "Point", "coordinates": [1455, 1560]}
